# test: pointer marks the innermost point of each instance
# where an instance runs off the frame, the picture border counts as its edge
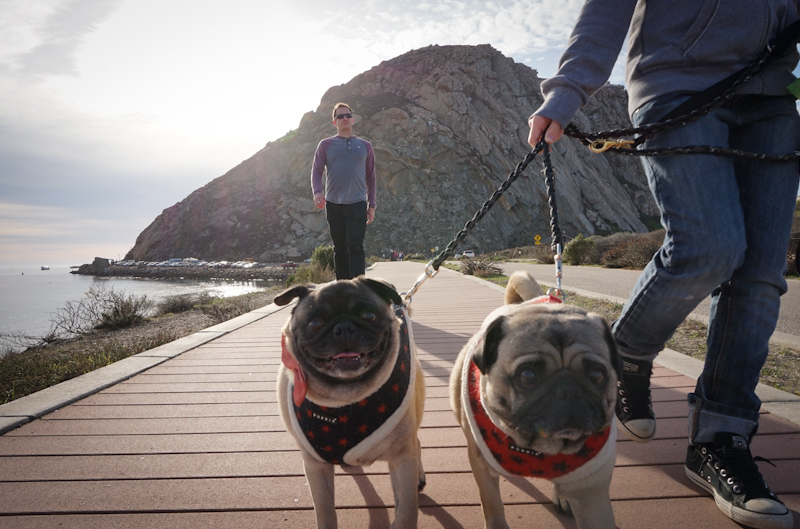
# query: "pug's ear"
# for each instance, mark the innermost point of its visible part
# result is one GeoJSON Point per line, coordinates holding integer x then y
{"type": "Point", "coordinates": [485, 357]}
{"type": "Point", "coordinates": [299, 291]}
{"type": "Point", "coordinates": [384, 289]}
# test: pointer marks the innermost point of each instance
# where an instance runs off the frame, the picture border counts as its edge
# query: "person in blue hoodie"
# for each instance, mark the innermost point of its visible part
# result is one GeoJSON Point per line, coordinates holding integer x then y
{"type": "Point", "coordinates": [727, 220]}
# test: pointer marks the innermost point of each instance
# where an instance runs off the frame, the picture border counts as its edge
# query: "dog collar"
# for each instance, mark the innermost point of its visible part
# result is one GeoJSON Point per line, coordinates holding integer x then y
{"type": "Point", "coordinates": [516, 460]}
{"type": "Point", "coordinates": [547, 298]}
{"type": "Point", "coordinates": [333, 432]}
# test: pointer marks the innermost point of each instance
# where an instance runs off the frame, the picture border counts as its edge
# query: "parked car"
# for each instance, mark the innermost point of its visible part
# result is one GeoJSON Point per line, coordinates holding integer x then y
{"type": "Point", "coordinates": [290, 264]}
{"type": "Point", "coordinates": [468, 254]}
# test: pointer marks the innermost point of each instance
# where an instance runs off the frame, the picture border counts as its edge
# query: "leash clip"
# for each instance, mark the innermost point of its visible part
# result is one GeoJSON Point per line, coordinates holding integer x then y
{"type": "Point", "coordinates": [598, 146]}
{"type": "Point", "coordinates": [430, 271]}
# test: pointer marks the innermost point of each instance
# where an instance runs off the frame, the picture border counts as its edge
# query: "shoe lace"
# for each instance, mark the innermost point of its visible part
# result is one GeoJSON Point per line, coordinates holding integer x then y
{"type": "Point", "coordinates": [635, 391]}
{"type": "Point", "coordinates": [740, 471]}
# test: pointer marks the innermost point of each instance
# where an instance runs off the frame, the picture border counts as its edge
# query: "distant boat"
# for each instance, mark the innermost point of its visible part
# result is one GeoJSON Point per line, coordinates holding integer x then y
{"type": "Point", "coordinates": [45, 267]}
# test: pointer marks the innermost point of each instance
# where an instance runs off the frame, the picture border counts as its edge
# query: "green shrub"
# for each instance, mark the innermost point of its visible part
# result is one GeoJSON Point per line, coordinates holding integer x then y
{"type": "Point", "coordinates": [313, 273]}
{"type": "Point", "coordinates": [578, 250]}
{"type": "Point", "coordinates": [323, 255]}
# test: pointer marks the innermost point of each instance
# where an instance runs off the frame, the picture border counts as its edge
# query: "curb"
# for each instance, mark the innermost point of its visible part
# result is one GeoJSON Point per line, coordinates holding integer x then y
{"type": "Point", "coordinates": [33, 406]}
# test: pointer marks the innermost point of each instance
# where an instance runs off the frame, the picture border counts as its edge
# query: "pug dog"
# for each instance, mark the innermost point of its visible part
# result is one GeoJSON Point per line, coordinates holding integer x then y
{"type": "Point", "coordinates": [351, 390]}
{"type": "Point", "coordinates": [534, 391]}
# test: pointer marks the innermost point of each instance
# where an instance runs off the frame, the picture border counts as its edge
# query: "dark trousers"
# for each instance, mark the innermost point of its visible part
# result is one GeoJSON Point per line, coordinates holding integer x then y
{"type": "Point", "coordinates": [348, 225]}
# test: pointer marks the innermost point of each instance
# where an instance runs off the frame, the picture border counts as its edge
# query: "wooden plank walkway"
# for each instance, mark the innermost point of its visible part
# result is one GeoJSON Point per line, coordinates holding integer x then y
{"type": "Point", "coordinates": [197, 442]}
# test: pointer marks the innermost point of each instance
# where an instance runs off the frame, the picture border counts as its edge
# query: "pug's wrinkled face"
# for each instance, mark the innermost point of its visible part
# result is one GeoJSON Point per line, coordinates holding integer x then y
{"type": "Point", "coordinates": [344, 331]}
{"type": "Point", "coordinates": [549, 379]}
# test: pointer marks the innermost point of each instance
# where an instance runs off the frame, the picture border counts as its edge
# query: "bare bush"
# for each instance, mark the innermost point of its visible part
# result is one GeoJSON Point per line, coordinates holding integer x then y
{"type": "Point", "coordinates": [479, 267]}
{"type": "Point", "coordinates": [181, 303]}
{"type": "Point", "coordinates": [221, 310]}
{"type": "Point", "coordinates": [633, 253]}
{"type": "Point", "coordinates": [102, 307]}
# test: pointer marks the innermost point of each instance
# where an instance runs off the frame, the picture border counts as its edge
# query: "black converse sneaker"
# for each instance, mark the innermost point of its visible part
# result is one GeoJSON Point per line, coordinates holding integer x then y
{"type": "Point", "coordinates": [727, 470]}
{"type": "Point", "coordinates": [634, 409]}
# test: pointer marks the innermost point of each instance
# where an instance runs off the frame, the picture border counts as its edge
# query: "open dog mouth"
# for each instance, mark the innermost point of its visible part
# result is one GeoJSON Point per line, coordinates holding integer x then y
{"type": "Point", "coordinates": [347, 361]}
{"type": "Point", "coordinates": [565, 433]}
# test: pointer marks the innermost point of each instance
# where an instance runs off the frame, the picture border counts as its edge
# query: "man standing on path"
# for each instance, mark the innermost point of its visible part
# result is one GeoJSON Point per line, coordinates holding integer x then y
{"type": "Point", "coordinates": [350, 190]}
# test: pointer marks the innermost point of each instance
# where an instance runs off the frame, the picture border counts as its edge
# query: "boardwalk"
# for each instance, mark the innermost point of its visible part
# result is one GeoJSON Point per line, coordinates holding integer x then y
{"type": "Point", "coordinates": [197, 442]}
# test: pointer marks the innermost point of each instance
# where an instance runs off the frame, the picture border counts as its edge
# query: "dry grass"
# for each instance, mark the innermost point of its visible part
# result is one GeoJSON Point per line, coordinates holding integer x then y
{"type": "Point", "coordinates": [38, 368]}
{"type": "Point", "coordinates": [781, 370]}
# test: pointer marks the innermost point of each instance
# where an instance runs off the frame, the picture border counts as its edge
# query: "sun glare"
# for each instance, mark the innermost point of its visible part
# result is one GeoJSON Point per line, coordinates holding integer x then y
{"type": "Point", "coordinates": [246, 84]}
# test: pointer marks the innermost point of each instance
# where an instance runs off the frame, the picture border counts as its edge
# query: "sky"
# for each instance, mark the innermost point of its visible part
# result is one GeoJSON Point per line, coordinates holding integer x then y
{"type": "Point", "coordinates": [113, 110]}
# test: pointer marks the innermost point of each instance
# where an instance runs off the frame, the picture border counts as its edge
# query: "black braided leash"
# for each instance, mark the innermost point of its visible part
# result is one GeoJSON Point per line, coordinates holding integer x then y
{"type": "Point", "coordinates": [432, 268]}
{"type": "Point", "coordinates": [609, 140]}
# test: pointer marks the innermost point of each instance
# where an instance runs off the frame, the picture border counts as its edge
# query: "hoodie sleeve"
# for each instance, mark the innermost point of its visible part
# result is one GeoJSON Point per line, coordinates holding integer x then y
{"type": "Point", "coordinates": [586, 64]}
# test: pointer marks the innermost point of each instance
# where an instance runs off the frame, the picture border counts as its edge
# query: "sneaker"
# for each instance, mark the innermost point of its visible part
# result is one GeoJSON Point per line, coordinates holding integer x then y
{"type": "Point", "coordinates": [726, 469]}
{"type": "Point", "coordinates": [634, 409]}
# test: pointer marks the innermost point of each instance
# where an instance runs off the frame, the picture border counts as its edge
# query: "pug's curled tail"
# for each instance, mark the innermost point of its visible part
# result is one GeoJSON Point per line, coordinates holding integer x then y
{"type": "Point", "coordinates": [521, 287]}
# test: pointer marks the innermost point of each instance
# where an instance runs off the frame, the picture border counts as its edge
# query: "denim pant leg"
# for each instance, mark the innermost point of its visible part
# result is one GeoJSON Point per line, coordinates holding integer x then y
{"type": "Point", "coordinates": [744, 309]}
{"type": "Point", "coordinates": [704, 209]}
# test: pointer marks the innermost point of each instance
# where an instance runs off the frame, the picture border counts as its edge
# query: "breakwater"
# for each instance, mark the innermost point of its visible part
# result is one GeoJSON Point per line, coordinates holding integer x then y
{"type": "Point", "coordinates": [266, 273]}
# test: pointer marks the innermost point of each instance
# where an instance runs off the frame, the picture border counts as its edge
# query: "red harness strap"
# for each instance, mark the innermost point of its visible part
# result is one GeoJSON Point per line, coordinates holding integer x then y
{"type": "Point", "coordinates": [521, 461]}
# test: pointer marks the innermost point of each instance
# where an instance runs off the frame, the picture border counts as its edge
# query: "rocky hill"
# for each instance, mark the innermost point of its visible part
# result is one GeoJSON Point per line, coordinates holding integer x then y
{"type": "Point", "coordinates": [448, 124]}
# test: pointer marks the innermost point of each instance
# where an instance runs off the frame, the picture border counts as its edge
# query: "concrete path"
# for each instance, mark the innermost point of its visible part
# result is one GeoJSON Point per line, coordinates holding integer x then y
{"type": "Point", "coordinates": [190, 437]}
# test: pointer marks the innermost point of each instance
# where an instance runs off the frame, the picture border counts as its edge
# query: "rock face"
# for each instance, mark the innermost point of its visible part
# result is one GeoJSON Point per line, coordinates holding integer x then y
{"type": "Point", "coordinates": [448, 124]}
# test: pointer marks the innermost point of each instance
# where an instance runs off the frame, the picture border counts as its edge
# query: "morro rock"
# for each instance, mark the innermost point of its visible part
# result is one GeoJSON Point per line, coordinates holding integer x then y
{"type": "Point", "coordinates": [448, 124]}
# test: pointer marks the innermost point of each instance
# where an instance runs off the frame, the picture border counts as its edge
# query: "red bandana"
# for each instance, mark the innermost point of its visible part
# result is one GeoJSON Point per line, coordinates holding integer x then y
{"type": "Point", "coordinates": [300, 385]}
{"type": "Point", "coordinates": [522, 461]}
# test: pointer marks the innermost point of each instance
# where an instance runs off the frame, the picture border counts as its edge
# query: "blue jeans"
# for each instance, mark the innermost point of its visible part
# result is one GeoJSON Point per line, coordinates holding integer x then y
{"type": "Point", "coordinates": [727, 226]}
{"type": "Point", "coordinates": [348, 225]}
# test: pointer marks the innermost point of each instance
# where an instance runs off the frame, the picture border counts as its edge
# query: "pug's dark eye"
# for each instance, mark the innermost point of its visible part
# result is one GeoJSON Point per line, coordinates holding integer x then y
{"type": "Point", "coordinates": [369, 317]}
{"type": "Point", "coordinates": [527, 377]}
{"type": "Point", "coordinates": [314, 325]}
{"type": "Point", "coordinates": [597, 376]}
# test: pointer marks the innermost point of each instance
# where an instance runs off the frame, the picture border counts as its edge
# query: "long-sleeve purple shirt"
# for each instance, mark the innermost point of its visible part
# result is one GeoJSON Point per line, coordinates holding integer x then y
{"type": "Point", "coordinates": [351, 170]}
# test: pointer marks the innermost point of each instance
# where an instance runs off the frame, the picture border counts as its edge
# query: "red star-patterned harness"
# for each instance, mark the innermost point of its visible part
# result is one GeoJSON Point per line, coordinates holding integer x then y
{"type": "Point", "coordinates": [337, 435]}
{"type": "Point", "coordinates": [499, 449]}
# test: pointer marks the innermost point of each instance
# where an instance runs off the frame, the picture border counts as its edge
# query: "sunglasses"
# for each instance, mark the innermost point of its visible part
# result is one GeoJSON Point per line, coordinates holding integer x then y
{"type": "Point", "coordinates": [343, 116]}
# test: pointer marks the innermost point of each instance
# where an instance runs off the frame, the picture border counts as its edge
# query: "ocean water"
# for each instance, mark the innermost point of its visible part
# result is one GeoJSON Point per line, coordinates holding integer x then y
{"type": "Point", "coordinates": [29, 296]}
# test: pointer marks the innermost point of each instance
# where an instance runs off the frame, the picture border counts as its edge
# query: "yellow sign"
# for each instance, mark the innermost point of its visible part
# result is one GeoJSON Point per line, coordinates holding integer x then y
{"type": "Point", "coordinates": [537, 239]}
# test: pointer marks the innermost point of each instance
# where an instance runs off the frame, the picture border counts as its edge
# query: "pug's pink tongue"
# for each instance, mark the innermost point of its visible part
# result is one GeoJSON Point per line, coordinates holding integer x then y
{"type": "Point", "coordinates": [347, 356]}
